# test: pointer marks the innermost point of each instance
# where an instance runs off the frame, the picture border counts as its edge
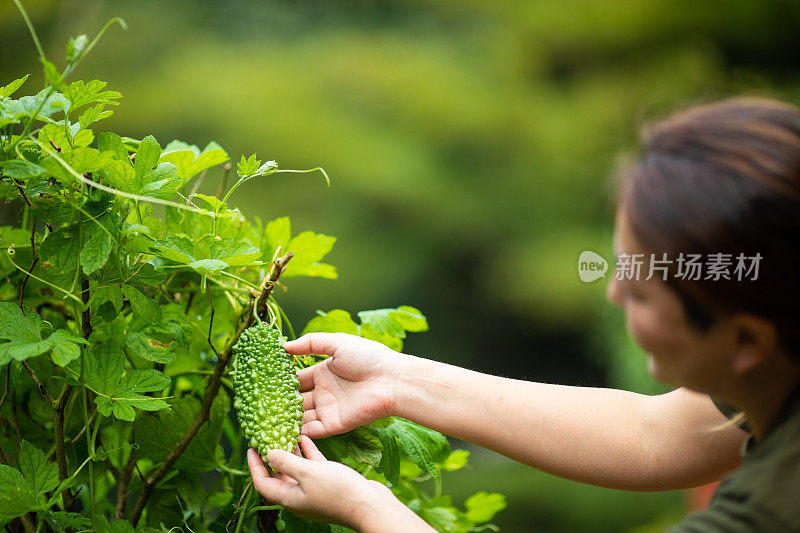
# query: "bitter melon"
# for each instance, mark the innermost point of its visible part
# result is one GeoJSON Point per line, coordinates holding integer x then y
{"type": "Point", "coordinates": [266, 390]}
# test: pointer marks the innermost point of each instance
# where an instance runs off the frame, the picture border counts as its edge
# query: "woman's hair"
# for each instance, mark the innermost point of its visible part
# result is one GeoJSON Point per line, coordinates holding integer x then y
{"type": "Point", "coordinates": [724, 178]}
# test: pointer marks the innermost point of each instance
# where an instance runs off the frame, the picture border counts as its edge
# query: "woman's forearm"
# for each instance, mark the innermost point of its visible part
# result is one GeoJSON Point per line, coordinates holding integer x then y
{"type": "Point", "coordinates": [604, 437]}
{"type": "Point", "coordinates": [386, 514]}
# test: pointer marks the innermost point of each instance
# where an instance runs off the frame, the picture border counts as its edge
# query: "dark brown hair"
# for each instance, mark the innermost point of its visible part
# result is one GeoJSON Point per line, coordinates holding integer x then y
{"type": "Point", "coordinates": [725, 178]}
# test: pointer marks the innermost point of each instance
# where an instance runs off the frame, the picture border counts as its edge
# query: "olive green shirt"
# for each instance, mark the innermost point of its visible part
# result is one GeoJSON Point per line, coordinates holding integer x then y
{"type": "Point", "coordinates": [763, 495]}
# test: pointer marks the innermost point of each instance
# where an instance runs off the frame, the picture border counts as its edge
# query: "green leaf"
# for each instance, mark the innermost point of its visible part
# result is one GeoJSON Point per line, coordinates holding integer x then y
{"type": "Point", "coordinates": [146, 157]}
{"type": "Point", "coordinates": [150, 349]}
{"type": "Point", "coordinates": [23, 333]}
{"type": "Point", "coordinates": [213, 202]}
{"type": "Point", "coordinates": [456, 460]}
{"type": "Point", "coordinates": [81, 93]}
{"type": "Point", "coordinates": [41, 475]}
{"type": "Point", "coordinates": [161, 182]}
{"type": "Point", "coordinates": [15, 168]}
{"type": "Point", "coordinates": [12, 87]}
{"type": "Point", "coordinates": [309, 249]}
{"type": "Point", "coordinates": [178, 249]}
{"type": "Point", "coordinates": [113, 143]}
{"type": "Point", "coordinates": [66, 520]}
{"type": "Point", "coordinates": [65, 347]}
{"type": "Point", "coordinates": [390, 457]}
{"type": "Point", "coordinates": [142, 304]}
{"type": "Point", "coordinates": [117, 394]}
{"type": "Point", "coordinates": [364, 447]}
{"type": "Point", "coordinates": [278, 233]}
{"type": "Point", "coordinates": [76, 46]}
{"type": "Point", "coordinates": [334, 321]}
{"type": "Point", "coordinates": [96, 250]}
{"type": "Point", "coordinates": [62, 249]}
{"type": "Point", "coordinates": [53, 75]}
{"type": "Point", "coordinates": [482, 506]}
{"type": "Point", "coordinates": [234, 253]}
{"type": "Point", "coordinates": [190, 161]}
{"type": "Point", "coordinates": [247, 166]}
{"type": "Point", "coordinates": [105, 293]}
{"type": "Point", "coordinates": [208, 266]}
{"type": "Point", "coordinates": [93, 114]}
{"type": "Point", "coordinates": [423, 446]}
{"type": "Point", "coordinates": [85, 160]}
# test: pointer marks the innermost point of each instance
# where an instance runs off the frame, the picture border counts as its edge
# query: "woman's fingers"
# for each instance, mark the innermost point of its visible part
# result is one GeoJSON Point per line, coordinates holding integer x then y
{"type": "Point", "coordinates": [310, 449]}
{"type": "Point", "coordinates": [274, 489]}
{"type": "Point", "coordinates": [313, 343]}
{"type": "Point", "coordinates": [308, 400]}
{"type": "Point", "coordinates": [306, 377]}
{"type": "Point", "coordinates": [288, 463]}
{"type": "Point", "coordinates": [314, 429]}
{"type": "Point", "coordinates": [309, 416]}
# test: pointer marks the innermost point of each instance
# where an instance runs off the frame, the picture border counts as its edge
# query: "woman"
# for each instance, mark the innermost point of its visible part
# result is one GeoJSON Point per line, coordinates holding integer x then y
{"type": "Point", "coordinates": [716, 179]}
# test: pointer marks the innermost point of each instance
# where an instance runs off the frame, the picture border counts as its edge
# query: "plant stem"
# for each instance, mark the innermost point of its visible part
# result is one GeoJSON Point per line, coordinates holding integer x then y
{"type": "Point", "coordinates": [211, 391]}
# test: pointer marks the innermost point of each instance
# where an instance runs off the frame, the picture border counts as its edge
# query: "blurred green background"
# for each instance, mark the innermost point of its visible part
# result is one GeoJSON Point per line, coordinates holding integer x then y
{"type": "Point", "coordinates": [470, 145]}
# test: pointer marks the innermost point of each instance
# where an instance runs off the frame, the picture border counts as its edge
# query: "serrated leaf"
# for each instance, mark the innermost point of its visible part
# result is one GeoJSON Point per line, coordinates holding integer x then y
{"type": "Point", "coordinates": [11, 88]}
{"type": "Point", "coordinates": [23, 333]}
{"type": "Point", "coordinates": [62, 249]}
{"type": "Point", "coordinates": [423, 446]}
{"type": "Point", "coordinates": [146, 156]}
{"type": "Point", "coordinates": [22, 170]}
{"type": "Point", "coordinates": [178, 249]}
{"type": "Point", "coordinates": [150, 349]}
{"type": "Point", "coordinates": [119, 394]}
{"type": "Point", "coordinates": [334, 321]}
{"type": "Point", "coordinates": [40, 475]}
{"type": "Point", "coordinates": [190, 160]}
{"type": "Point", "coordinates": [113, 143]}
{"type": "Point", "coordinates": [482, 506]}
{"type": "Point", "coordinates": [65, 347]}
{"type": "Point", "coordinates": [213, 202]}
{"type": "Point", "coordinates": [96, 250]}
{"type": "Point", "coordinates": [247, 166]}
{"type": "Point", "coordinates": [66, 520]}
{"type": "Point", "coordinates": [309, 249]}
{"type": "Point", "coordinates": [364, 447]}
{"type": "Point", "coordinates": [142, 304]}
{"type": "Point", "coordinates": [76, 47]}
{"type": "Point", "coordinates": [81, 93]}
{"type": "Point", "coordinates": [106, 293]}
{"type": "Point", "coordinates": [456, 460]}
{"type": "Point", "coordinates": [278, 233]}
{"type": "Point", "coordinates": [93, 114]}
{"type": "Point", "coordinates": [161, 182]}
{"type": "Point", "coordinates": [208, 266]}
{"type": "Point", "coordinates": [234, 253]}
{"type": "Point", "coordinates": [53, 75]}
{"type": "Point", "coordinates": [85, 160]}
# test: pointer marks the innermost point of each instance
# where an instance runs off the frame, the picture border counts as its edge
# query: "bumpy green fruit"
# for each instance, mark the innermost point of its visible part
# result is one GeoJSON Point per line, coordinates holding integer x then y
{"type": "Point", "coordinates": [266, 391]}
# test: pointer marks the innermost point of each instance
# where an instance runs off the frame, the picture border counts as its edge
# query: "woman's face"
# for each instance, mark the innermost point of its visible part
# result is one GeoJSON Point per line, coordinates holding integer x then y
{"type": "Point", "coordinates": [677, 354]}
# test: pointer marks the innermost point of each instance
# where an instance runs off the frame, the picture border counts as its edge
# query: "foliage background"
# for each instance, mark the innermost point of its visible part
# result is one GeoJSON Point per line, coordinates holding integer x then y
{"type": "Point", "coordinates": [470, 145]}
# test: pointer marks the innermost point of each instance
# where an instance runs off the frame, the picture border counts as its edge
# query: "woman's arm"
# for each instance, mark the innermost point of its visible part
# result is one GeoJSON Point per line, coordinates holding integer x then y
{"type": "Point", "coordinates": [604, 437]}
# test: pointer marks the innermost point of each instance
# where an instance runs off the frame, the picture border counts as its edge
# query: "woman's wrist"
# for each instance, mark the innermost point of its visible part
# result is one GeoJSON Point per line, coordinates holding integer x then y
{"type": "Point", "coordinates": [383, 512]}
{"type": "Point", "coordinates": [407, 389]}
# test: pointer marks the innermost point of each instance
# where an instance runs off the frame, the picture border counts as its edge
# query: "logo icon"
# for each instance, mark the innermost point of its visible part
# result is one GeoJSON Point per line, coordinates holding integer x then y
{"type": "Point", "coordinates": [591, 266]}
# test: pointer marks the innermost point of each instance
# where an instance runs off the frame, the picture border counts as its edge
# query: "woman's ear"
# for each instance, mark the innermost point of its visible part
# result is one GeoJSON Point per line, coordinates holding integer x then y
{"type": "Point", "coordinates": [756, 339]}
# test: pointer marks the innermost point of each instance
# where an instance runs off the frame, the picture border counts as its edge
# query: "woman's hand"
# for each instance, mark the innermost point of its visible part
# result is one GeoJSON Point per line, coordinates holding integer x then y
{"type": "Point", "coordinates": [327, 491]}
{"type": "Point", "coordinates": [355, 386]}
